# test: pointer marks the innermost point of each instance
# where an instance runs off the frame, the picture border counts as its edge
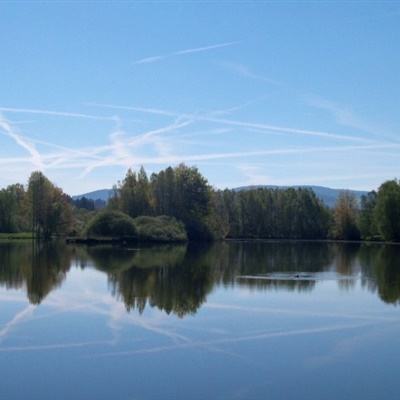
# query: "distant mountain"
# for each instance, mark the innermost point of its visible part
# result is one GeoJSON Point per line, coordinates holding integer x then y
{"type": "Point", "coordinates": [326, 194]}
{"type": "Point", "coordinates": [102, 194]}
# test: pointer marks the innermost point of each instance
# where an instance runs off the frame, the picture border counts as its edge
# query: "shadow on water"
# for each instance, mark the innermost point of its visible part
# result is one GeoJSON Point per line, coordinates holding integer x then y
{"type": "Point", "coordinates": [178, 278]}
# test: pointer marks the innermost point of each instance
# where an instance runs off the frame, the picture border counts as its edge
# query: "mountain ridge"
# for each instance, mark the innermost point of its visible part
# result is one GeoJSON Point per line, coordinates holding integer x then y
{"type": "Point", "coordinates": [326, 194]}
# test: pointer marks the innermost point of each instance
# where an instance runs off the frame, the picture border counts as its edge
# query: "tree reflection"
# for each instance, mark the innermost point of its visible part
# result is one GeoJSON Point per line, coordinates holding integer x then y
{"type": "Point", "coordinates": [381, 271]}
{"type": "Point", "coordinates": [178, 278]}
{"type": "Point", "coordinates": [170, 278]}
{"type": "Point", "coordinates": [40, 267]}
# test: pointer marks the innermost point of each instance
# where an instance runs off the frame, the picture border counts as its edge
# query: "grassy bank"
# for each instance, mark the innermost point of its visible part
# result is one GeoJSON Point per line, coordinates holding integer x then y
{"type": "Point", "coordinates": [16, 236]}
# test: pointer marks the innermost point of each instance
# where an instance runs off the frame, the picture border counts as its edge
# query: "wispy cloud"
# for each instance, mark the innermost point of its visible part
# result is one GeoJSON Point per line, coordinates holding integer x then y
{"type": "Point", "coordinates": [199, 157]}
{"type": "Point", "coordinates": [254, 174]}
{"type": "Point", "coordinates": [54, 113]}
{"type": "Point", "coordinates": [246, 72]}
{"type": "Point", "coordinates": [9, 131]}
{"type": "Point", "coordinates": [299, 312]}
{"type": "Point", "coordinates": [243, 124]}
{"type": "Point", "coordinates": [18, 318]}
{"type": "Point", "coordinates": [166, 145]}
{"type": "Point", "coordinates": [123, 145]}
{"type": "Point", "coordinates": [237, 339]}
{"type": "Point", "coordinates": [57, 346]}
{"type": "Point", "coordinates": [153, 59]}
{"type": "Point", "coordinates": [346, 117]}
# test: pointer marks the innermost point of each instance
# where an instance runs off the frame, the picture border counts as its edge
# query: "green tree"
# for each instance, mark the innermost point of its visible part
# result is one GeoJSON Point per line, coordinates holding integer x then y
{"type": "Point", "coordinates": [345, 217]}
{"type": "Point", "coordinates": [12, 209]}
{"type": "Point", "coordinates": [387, 210]}
{"type": "Point", "coordinates": [49, 207]}
{"type": "Point", "coordinates": [134, 194]}
{"type": "Point", "coordinates": [368, 228]}
{"type": "Point", "coordinates": [183, 193]}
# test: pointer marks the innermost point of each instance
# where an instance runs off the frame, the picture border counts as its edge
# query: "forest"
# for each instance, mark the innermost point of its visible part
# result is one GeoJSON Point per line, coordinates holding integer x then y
{"type": "Point", "coordinates": [178, 203]}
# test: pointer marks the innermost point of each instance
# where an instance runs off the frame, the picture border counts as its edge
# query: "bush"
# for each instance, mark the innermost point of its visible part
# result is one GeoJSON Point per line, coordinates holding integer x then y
{"type": "Point", "coordinates": [160, 229]}
{"type": "Point", "coordinates": [111, 224]}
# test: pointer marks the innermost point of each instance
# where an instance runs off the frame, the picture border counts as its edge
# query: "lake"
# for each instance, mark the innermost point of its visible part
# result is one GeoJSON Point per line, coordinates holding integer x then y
{"type": "Point", "coordinates": [232, 320]}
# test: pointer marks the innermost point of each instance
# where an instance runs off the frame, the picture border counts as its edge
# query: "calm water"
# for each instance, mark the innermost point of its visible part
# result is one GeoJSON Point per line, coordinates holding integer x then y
{"type": "Point", "coordinates": [224, 321]}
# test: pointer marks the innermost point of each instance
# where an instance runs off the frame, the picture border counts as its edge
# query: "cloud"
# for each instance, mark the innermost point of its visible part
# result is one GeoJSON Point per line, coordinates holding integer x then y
{"type": "Point", "coordinates": [245, 338]}
{"type": "Point", "coordinates": [153, 59]}
{"type": "Point", "coordinates": [299, 312]}
{"type": "Point", "coordinates": [9, 131]}
{"type": "Point", "coordinates": [122, 146]}
{"type": "Point", "coordinates": [57, 346]}
{"type": "Point", "coordinates": [246, 72]}
{"type": "Point", "coordinates": [199, 157]}
{"type": "Point", "coordinates": [346, 117]}
{"type": "Point", "coordinates": [244, 124]}
{"type": "Point", "coordinates": [18, 318]}
{"type": "Point", "coordinates": [55, 113]}
{"type": "Point", "coordinates": [254, 174]}
{"type": "Point", "coordinates": [165, 145]}
{"type": "Point", "coordinates": [149, 60]}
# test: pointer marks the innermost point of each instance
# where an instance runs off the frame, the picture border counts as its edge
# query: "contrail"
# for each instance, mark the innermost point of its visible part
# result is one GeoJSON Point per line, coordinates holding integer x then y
{"type": "Point", "coordinates": [153, 59]}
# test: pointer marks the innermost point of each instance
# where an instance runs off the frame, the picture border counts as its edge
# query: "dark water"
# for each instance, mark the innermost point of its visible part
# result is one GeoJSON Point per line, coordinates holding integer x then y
{"type": "Point", "coordinates": [224, 321]}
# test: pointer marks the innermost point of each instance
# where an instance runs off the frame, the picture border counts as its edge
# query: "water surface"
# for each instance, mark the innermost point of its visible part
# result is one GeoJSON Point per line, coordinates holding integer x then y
{"type": "Point", "coordinates": [230, 320]}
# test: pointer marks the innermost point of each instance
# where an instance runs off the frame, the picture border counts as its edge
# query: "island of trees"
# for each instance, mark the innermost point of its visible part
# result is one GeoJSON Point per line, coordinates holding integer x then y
{"type": "Point", "coordinates": [178, 204]}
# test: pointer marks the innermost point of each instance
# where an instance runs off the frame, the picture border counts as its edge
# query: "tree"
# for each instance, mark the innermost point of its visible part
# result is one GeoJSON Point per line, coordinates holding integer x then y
{"type": "Point", "coordinates": [49, 208]}
{"type": "Point", "coordinates": [368, 228]}
{"type": "Point", "coordinates": [183, 193]}
{"type": "Point", "coordinates": [111, 224]}
{"type": "Point", "coordinates": [83, 202]}
{"type": "Point", "coordinates": [387, 210]}
{"type": "Point", "coordinates": [275, 213]}
{"type": "Point", "coordinates": [345, 217]}
{"type": "Point", "coordinates": [12, 209]}
{"type": "Point", "coordinates": [144, 198]}
{"type": "Point", "coordinates": [135, 195]}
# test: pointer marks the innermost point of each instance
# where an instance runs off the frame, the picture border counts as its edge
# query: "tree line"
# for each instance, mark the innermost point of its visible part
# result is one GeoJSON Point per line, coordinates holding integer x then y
{"type": "Point", "coordinates": [41, 208]}
{"type": "Point", "coordinates": [183, 193]}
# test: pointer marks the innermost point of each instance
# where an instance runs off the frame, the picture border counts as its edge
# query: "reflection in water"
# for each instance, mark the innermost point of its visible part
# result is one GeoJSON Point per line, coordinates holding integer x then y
{"type": "Point", "coordinates": [39, 267]}
{"type": "Point", "coordinates": [381, 271]}
{"type": "Point", "coordinates": [177, 279]}
{"type": "Point", "coordinates": [171, 279]}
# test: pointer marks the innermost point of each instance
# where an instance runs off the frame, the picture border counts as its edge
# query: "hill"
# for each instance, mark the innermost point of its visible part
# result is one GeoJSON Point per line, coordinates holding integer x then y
{"type": "Point", "coordinates": [326, 194]}
{"type": "Point", "coordinates": [102, 194]}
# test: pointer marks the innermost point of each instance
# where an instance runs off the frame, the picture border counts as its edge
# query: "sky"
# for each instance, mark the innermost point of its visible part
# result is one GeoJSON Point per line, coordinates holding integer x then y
{"type": "Point", "coordinates": [250, 92]}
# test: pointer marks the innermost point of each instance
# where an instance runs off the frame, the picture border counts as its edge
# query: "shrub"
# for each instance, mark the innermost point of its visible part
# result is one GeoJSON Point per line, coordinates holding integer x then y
{"type": "Point", "coordinates": [111, 224]}
{"type": "Point", "coordinates": [160, 229]}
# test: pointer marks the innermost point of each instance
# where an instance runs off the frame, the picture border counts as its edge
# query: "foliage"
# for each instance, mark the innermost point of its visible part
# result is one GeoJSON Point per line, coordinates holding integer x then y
{"type": "Point", "coordinates": [180, 192]}
{"type": "Point", "coordinates": [134, 194]}
{"type": "Point", "coordinates": [184, 195]}
{"type": "Point", "coordinates": [161, 229]}
{"type": "Point", "coordinates": [49, 207]}
{"type": "Point", "coordinates": [111, 224]}
{"type": "Point", "coordinates": [367, 223]}
{"type": "Point", "coordinates": [83, 202]}
{"type": "Point", "coordinates": [345, 217]}
{"type": "Point", "coordinates": [13, 209]}
{"type": "Point", "coordinates": [387, 210]}
{"type": "Point", "coordinates": [274, 214]}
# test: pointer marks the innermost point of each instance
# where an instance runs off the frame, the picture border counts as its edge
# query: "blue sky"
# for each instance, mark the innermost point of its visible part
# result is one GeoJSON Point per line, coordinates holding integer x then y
{"type": "Point", "coordinates": [250, 92]}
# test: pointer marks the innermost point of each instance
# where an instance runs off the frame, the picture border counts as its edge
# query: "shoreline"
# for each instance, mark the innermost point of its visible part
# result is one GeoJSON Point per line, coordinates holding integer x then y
{"type": "Point", "coordinates": [130, 240]}
{"type": "Point", "coordinates": [311, 241]}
